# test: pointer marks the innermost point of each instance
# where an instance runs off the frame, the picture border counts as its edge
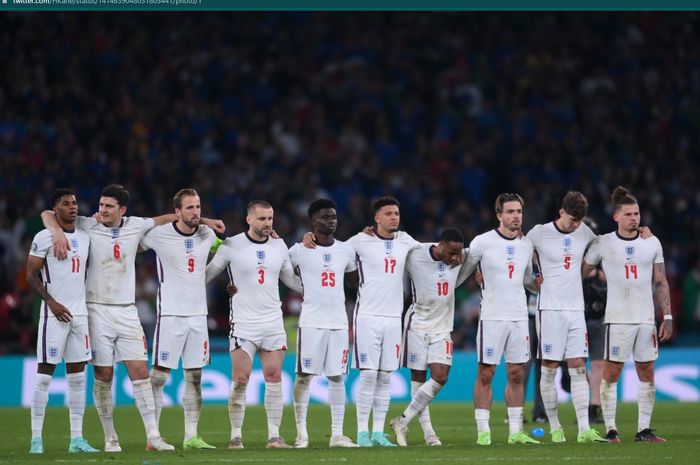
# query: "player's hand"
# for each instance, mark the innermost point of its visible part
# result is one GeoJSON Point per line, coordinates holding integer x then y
{"type": "Point", "coordinates": [666, 330]}
{"type": "Point", "coordinates": [60, 312]}
{"type": "Point", "coordinates": [309, 240]}
{"type": "Point", "coordinates": [479, 278]}
{"type": "Point", "coordinates": [645, 232]}
{"type": "Point", "coordinates": [61, 246]}
{"type": "Point", "coordinates": [538, 281]}
{"type": "Point", "coordinates": [274, 234]}
{"type": "Point", "coordinates": [368, 230]}
{"type": "Point", "coordinates": [98, 217]}
{"type": "Point", "coordinates": [231, 289]}
{"type": "Point", "coordinates": [217, 225]}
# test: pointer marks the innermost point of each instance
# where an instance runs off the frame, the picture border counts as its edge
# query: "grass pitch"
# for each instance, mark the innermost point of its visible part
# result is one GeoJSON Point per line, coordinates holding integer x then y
{"type": "Point", "coordinates": [454, 424]}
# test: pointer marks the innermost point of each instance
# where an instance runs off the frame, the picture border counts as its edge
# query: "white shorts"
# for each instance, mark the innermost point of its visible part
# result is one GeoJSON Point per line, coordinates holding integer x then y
{"type": "Point", "coordinates": [185, 337]}
{"type": "Point", "coordinates": [321, 350]}
{"type": "Point", "coordinates": [622, 340]}
{"type": "Point", "coordinates": [377, 343]}
{"type": "Point", "coordinates": [253, 339]}
{"type": "Point", "coordinates": [58, 340]}
{"type": "Point", "coordinates": [116, 334]}
{"type": "Point", "coordinates": [422, 349]}
{"type": "Point", "coordinates": [561, 335]}
{"type": "Point", "coordinates": [509, 338]}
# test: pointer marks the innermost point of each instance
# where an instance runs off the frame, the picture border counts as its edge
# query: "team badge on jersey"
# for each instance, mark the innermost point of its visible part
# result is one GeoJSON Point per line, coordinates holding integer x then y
{"type": "Point", "coordinates": [615, 350]}
{"type": "Point", "coordinates": [413, 357]}
{"type": "Point", "coordinates": [327, 260]}
{"type": "Point", "coordinates": [115, 232]}
{"type": "Point", "coordinates": [510, 252]}
{"type": "Point", "coordinates": [307, 363]}
{"type": "Point", "coordinates": [442, 268]}
{"type": "Point", "coordinates": [629, 251]}
{"type": "Point", "coordinates": [189, 245]}
{"type": "Point", "coordinates": [164, 356]}
{"type": "Point", "coordinates": [261, 256]}
{"type": "Point", "coordinates": [35, 246]}
{"type": "Point", "coordinates": [568, 243]}
{"type": "Point", "coordinates": [74, 244]}
{"type": "Point", "coordinates": [547, 348]}
{"type": "Point", "coordinates": [489, 352]}
{"type": "Point", "coordinates": [53, 351]}
{"type": "Point", "coordinates": [363, 357]}
{"type": "Point", "coordinates": [388, 247]}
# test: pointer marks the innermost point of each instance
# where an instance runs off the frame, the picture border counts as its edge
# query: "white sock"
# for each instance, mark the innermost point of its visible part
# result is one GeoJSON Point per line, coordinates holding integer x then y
{"type": "Point", "coordinates": [236, 408]}
{"type": "Point", "coordinates": [365, 396]}
{"type": "Point", "coordinates": [192, 402]}
{"type": "Point", "coordinates": [158, 380]}
{"type": "Point", "coordinates": [76, 403]}
{"type": "Point", "coordinates": [482, 419]}
{"type": "Point", "coordinates": [608, 403]}
{"type": "Point", "coordinates": [515, 420]}
{"type": "Point", "coordinates": [646, 395]}
{"type": "Point", "coordinates": [302, 384]}
{"type": "Point", "coordinates": [548, 389]}
{"type": "Point", "coordinates": [382, 397]}
{"type": "Point", "coordinates": [421, 398]}
{"type": "Point", "coordinates": [336, 399]}
{"type": "Point", "coordinates": [580, 397]}
{"type": "Point", "coordinates": [143, 397]}
{"type": "Point", "coordinates": [39, 401]}
{"type": "Point", "coordinates": [273, 407]}
{"type": "Point", "coordinates": [104, 403]}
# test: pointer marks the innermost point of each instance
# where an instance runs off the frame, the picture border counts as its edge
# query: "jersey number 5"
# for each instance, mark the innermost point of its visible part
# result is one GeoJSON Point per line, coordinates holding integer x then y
{"type": "Point", "coordinates": [567, 262]}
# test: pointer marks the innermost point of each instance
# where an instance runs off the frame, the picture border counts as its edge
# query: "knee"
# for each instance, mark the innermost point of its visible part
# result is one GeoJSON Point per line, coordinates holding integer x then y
{"type": "Point", "coordinates": [193, 376]}
{"type": "Point", "coordinates": [439, 377]}
{"type": "Point", "coordinates": [515, 375]}
{"type": "Point", "coordinates": [104, 374]}
{"type": "Point", "coordinates": [485, 376]}
{"type": "Point", "coordinates": [303, 379]}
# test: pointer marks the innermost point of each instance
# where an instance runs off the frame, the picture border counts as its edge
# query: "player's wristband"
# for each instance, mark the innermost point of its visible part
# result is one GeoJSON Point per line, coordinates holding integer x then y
{"type": "Point", "coordinates": [668, 317]}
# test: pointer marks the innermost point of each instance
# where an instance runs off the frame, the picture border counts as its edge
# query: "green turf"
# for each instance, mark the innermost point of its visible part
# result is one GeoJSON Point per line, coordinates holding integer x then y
{"type": "Point", "coordinates": [453, 422]}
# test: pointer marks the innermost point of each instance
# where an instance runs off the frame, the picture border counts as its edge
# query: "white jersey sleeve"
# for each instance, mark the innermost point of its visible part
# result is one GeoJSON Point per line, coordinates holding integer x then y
{"type": "Point", "coordinates": [380, 264]}
{"type": "Point", "coordinates": [559, 256]}
{"type": "Point", "coordinates": [322, 271]}
{"type": "Point", "coordinates": [628, 265]}
{"type": "Point", "coordinates": [64, 279]}
{"type": "Point", "coordinates": [503, 263]}
{"type": "Point", "coordinates": [111, 277]}
{"type": "Point", "coordinates": [181, 261]}
{"type": "Point", "coordinates": [433, 284]}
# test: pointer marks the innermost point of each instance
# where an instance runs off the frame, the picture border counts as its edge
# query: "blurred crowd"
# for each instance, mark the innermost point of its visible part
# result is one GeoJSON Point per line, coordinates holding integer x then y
{"type": "Point", "coordinates": [441, 110]}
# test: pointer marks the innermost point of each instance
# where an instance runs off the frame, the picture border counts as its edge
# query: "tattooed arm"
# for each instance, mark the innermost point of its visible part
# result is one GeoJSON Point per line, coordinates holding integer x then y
{"type": "Point", "coordinates": [662, 299]}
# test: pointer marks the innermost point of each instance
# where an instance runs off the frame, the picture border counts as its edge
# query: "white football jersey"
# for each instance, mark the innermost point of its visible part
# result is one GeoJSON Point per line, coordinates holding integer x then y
{"type": "Point", "coordinates": [559, 256]}
{"type": "Point", "coordinates": [322, 272]}
{"type": "Point", "coordinates": [255, 267]}
{"type": "Point", "coordinates": [628, 265]}
{"type": "Point", "coordinates": [503, 262]}
{"type": "Point", "coordinates": [111, 278]}
{"type": "Point", "coordinates": [181, 260]}
{"type": "Point", "coordinates": [380, 264]}
{"type": "Point", "coordinates": [64, 279]}
{"type": "Point", "coordinates": [433, 285]}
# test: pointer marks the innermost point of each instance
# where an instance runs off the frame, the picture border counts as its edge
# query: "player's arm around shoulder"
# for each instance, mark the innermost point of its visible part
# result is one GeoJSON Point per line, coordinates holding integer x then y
{"type": "Point", "coordinates": [220, 259]}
